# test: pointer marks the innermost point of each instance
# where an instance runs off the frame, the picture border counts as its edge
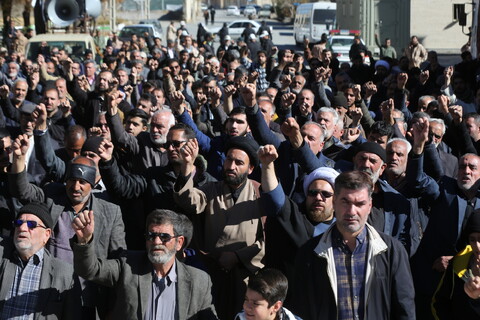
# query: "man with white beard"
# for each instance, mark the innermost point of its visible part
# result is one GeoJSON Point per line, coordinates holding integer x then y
{"type": "Point", "coordinates": [327, 118]}
{"type": "Point", "coordinates": [147, 147]}
{"type": "Point", "coordinates": [390, 211]}
{"type": "Point", "coordinates": [152, 284]}
{"type": "Point", "coordinates": [445, 234]}
{"type": "Point", "coordinates": [11, 75]}
{"type": "Point", "coordinates": [32, 279]}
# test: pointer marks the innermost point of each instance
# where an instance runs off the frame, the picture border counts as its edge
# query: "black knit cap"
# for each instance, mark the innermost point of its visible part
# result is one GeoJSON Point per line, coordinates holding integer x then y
{"type": "Point", "coordinates": [372, 147]}
{"type": "Point", "coordinates": [339, 100]}
{"type": "Point", "coordinates": [247, 144]}
{"type": "Point", "coordinates": [27, 107]}
{"type": "Point", "coordinates": [473, 224]}
{"type": "Point", "coordinates": [40, 210]}
{"type": "Point", "coordinates": [92, 144]}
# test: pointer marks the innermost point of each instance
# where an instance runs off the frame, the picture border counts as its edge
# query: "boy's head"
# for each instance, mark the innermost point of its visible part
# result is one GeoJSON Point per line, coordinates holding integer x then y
{"type": "Point", "coordinates": [265, 294]}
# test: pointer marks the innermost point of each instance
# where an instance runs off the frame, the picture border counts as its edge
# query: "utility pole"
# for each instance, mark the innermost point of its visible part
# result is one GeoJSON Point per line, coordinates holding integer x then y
{"type": "Point", "coordinates": [113, 15]}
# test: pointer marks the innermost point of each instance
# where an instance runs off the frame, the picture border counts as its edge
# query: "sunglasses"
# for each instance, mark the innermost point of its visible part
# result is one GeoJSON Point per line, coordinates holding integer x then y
{"type": "Point", "coordinates": [436, 136]}
{"type": "Point", "coordinates": [164, 237]}
{"type": "Point", "coordinates": [30, 224]}
{"type": "Point", "coordinates": [314, 193]}
{"type": "Point", "coordinates": [174, 143]}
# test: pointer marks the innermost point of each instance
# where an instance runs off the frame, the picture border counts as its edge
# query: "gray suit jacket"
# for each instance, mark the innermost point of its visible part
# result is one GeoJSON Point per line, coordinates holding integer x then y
{"type": "Point", "coordinates": [131, 275]}
{"type": "Point", "coordinates": [108, 218]}
{"type": "Point", "coordinates": [59, 296]}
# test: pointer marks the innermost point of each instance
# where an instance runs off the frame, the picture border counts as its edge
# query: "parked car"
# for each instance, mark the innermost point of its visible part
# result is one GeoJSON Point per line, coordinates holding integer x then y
{"type": "Point", "coordinates": [233, 11]}
{"type": "Point", "coordinates": [139, 30]}
{"type": "Point", "coordinates": [265, 11]}
{"type": "Point", "coordinates": [235, 28]}
{"type": "Point", "coordinates": [249, 10]}
{"type": "Point", "coordinates": [204, 7]}
{"type": "Point", "coordinates": [155, 22]}
{"type": "Point", "coordinates": [340, 45]}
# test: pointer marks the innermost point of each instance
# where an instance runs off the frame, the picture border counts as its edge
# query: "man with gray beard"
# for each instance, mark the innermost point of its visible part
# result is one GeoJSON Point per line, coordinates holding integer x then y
{"type": "Point", "coordinates": [444, 236]}
{"type": "Point", "coordinates": [390, 211]}
{"type": "Point", "coordinates": [152, 284]}
{"type": "Point", "coordinates": [147, 147]}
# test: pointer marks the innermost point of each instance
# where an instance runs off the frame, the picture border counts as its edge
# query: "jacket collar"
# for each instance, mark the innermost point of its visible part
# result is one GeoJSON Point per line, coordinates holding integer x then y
{"type": "Point", "coordinates": [376, 243]}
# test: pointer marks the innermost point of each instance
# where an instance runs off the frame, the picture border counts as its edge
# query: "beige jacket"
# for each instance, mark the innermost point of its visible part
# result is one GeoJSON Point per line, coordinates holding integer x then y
{"type": "Point", "coordinates": [228, 226]}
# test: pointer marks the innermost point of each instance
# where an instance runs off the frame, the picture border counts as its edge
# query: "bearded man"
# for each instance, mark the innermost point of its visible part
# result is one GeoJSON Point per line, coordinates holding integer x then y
{"type": "Point", "coordinates": [289, 225]}
{"type": "Point", "coordinates": [230, 232]}
{"type": "Point", "coordinates": [151, 284]}
{"type": "Point", "coordinates": [390, 209]}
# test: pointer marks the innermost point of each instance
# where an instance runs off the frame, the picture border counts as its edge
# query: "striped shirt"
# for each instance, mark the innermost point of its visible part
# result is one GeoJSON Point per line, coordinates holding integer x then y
{"type": "Point", "coordinates": [163, 297]}
{"type": "Point", "coordinates": [21, 301]}
{"type": "Point", "coordinates": [350, 268]}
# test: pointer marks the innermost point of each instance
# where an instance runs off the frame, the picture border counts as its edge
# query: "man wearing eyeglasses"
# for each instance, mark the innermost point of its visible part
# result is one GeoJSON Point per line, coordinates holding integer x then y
{"type": "Point", "coordinates": [155, 186]}
{"type": "Point", "coordinates": [34, 283]}
{"type": "Point", "coordinates": [290, 225]}
{"type": "Point", "coordinates": [152, 284]}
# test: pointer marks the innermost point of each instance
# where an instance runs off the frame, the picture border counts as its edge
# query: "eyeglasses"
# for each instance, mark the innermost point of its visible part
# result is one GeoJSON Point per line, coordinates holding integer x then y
{"type": "Point", "coordinates": [174, 143]}
{"type": "Point", "coordinates": [164, 237]}
{"type": "Point", "coordinates": [436, 136]}
{"type": "Point", "coordinates": [30, 224]}
{"type": "Point", "coordinates": [314, 193]}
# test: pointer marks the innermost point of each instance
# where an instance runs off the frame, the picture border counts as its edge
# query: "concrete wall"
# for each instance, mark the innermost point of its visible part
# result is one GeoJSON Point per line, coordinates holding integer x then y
{"type": "Point", "coordinates": [348, 14]}
{"type": "Point", "coordinates": [392, 20]}
{"type": "Point", "coordinates": [387, 18]}
{"type": "Point", "coordinates": [432, 21]}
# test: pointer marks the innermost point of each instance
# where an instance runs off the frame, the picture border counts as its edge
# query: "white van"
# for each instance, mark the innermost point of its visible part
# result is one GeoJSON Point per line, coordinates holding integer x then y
{"type": "Point", "coordinates": [314, 19]}
{"type": "Point", "coordinates": [74, 43]}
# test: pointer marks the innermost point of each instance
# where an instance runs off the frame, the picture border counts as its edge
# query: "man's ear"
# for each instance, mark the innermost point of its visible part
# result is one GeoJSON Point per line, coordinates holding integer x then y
{"type": "Point", "coordinates": [180, 242]}
{"type": "Point", "coordinates": [384, 165]}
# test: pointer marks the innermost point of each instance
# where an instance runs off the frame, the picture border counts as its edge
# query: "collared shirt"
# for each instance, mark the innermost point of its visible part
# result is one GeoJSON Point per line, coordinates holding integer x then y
{"type": "Point", "coordinates": [163, 298]}
{"type": "Point", "coordinates": [350, 269]}
{"type": "Point", "coordinates": [262, 83]}
{"type": "Point", "coordinates": [323, 226]}
{"type": "Point", "coordinates": [22, 298]}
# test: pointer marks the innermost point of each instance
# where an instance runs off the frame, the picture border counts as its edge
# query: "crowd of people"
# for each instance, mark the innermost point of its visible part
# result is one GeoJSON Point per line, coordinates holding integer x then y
{"type": "Point", "coordinates": [197, 179]}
